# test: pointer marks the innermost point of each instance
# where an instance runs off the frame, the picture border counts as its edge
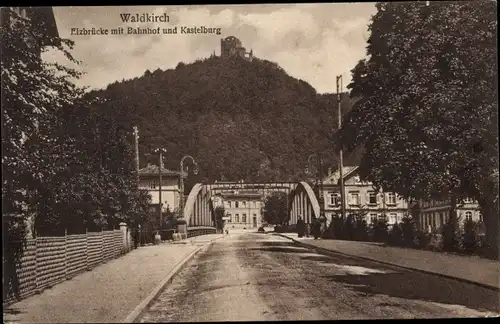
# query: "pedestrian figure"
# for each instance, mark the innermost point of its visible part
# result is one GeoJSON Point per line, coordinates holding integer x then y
{"type": "Point", "coordinates": [316, 228]}
{"type": "Point", "coordinates": [300, 227]}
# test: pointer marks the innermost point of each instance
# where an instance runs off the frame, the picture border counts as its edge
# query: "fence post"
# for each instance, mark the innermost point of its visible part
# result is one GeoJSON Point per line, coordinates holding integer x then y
{"type": "Point", "coordinates": [102, 246]}
{"type": "Point", "coordinates": [86, 248]}
{"type": "Point", "coordinates": [36, 265]}
{"type": "Point", "coordinates": [123, 228]}
{"type": "Point", "coordinates": [65, 253]}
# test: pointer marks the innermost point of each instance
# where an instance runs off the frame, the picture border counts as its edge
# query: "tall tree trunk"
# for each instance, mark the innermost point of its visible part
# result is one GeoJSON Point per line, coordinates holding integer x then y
{"type": "Point", "coordinates": [489, 209]}
{"type": "Point", "coordinates": [488, 202]}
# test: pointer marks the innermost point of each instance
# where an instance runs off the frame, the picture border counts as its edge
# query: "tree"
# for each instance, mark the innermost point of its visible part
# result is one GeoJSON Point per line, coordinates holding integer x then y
{"type": "Point", "coordinates": [275, 208]}
{"type": "Point", "coordinates": [427, 109]}
{"type": "Point", "coordinates": [32, 92]}
{"type": "Point", "coordinates": [60, 166]}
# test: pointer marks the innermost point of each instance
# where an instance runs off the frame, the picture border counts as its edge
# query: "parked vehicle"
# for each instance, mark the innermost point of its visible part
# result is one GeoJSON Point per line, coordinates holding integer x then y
{"type": "Point", "coordinates": [261, 230]}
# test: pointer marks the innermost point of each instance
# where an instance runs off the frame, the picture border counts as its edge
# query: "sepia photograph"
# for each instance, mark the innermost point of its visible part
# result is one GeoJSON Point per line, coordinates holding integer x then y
{"type": "Point", "coordinates": [250, 162]}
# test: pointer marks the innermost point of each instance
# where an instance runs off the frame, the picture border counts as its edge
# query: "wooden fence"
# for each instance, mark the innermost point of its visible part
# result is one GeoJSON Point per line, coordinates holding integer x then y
{"type": "Point", "coordinates": [47, 261]}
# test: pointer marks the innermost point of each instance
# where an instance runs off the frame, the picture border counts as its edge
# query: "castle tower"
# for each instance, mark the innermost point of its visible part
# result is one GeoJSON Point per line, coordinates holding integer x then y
{"type": "Point", "coordinates": [231, 46]}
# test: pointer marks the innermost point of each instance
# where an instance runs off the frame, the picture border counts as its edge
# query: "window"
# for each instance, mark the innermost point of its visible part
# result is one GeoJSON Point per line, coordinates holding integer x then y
{"type": "Point", "coordinates": [152, 184]}
{"type": "Point", "coordinates": [244, 218]}
{"type": "Point", "coordinates": [372, 197]}
{"type": "Point", "coordinates": [468, 215]}
{"type": "Point", "coordinates": [468, 201]}
{"type": "Point", "coordinates": [393, 218]}
{"type": "Point", "coordinates": [236, 204]}
{"type": "Point", "coordinates": [391, 198]}
{"type": "Point", "coordinates": [480, 217]}
{"type": "Point", "coordinates": [229, 220]}
{"type": "Point", "coordinates": [334, 199]}
{"type": "Point", "coordinates": [236, 218]}
{"type": "Point", "coordinates": [354, 198]}
{"type": "Point", "coordinates": [373, 217]}
{"type": "Point", "coordinates": [229, 204]}
{"type": "Point", "coordinates": [244, 203]}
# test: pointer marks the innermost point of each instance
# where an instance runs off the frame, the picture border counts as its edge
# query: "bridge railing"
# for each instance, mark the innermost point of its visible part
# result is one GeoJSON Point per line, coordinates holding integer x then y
{"type": "Point", "coordinates": [200, 230]}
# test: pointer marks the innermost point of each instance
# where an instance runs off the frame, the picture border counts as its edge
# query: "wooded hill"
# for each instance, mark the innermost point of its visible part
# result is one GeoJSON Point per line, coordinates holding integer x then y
{"type": "Point", "coordinates": [224, 113]}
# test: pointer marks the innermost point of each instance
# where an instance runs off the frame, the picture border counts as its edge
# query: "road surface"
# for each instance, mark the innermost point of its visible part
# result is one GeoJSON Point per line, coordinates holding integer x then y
{"type": "Point", "coordinates": [262, 277]}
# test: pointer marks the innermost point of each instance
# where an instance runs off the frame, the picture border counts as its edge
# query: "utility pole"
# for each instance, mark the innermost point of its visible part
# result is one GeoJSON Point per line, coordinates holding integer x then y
{"type": "Point", "coordinates": [160, 151]}
{"type": "Point", "coordinates": [341, 159]}
{"type": "Point", "coordinates": [136, 143]}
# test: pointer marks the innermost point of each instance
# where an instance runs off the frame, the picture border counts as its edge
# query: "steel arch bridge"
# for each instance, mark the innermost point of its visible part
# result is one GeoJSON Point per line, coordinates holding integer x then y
{"type": "Point", "coordinates": [199, 207]}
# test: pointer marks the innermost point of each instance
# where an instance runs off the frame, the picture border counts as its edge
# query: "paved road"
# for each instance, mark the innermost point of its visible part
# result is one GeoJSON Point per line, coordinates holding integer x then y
{"type": "Point", "coordinates": [251, 276]}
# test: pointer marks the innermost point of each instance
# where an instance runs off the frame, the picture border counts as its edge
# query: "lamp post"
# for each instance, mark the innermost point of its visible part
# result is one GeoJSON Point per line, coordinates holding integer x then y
{"type": "Point", "coordinates": [181, 200]}
{"type": "Point", "coordinates": [160, 151]}
{"type": "Point", "coordinates": [341, 160]}
{"type": "Point", "coordinates": [136, 146]}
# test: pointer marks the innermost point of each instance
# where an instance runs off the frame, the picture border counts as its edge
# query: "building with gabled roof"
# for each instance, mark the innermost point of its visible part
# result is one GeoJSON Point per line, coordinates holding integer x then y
{"type": "Point", "coordinates": [149, 180]}
{"type": "Point", "coordinates": [361, 198]}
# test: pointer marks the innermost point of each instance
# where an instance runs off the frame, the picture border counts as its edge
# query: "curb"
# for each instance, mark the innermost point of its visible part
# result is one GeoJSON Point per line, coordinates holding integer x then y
{"type": "Point", "coordinates": [134, 315]}
{"type": "Point", "coordinates": [336, 253]}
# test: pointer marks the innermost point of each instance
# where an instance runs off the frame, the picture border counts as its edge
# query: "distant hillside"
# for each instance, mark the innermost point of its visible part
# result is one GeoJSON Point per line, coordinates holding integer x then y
{"type": "Point", "coordinates": [224, 112]}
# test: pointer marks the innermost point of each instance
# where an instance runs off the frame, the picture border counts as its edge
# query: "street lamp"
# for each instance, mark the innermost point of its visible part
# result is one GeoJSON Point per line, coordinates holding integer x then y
{"type": "Point", "coordinates": [195, 171]}
{"type": "Point", "coordinates": [160, 151]}
{"type": "Point", "coordinates": [341, 161]}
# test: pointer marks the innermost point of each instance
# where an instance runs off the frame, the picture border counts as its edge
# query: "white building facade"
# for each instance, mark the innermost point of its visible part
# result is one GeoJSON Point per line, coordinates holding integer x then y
{"type": "Point", "coordinates": [361, 198]}
{"type": "Point", "coordinates": [149, 180]}
{"type": "Point", "coordinates": [433, 214]}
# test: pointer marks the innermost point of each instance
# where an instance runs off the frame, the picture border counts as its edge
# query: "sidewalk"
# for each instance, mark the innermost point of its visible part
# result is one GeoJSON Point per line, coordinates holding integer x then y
{"type": "Point", "coordinates": [473, 269]}
{"type": "Point", "coordinates": [107, 293]}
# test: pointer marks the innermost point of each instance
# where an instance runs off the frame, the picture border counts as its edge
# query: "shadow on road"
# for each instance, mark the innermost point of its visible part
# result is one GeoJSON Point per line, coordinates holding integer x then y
{"type": "Point", "coordinates": [282, 247]}
{"type": "Point", "coordinates": [401, 283]}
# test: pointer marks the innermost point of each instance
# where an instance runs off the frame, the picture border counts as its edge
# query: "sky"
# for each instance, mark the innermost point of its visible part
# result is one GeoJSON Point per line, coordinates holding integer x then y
{"type": "Point", "coordinates": [312, 42]}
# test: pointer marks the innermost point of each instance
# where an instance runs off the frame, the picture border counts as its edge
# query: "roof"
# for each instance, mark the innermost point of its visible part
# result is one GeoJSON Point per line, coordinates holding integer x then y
{"type": "Point", "coordinates": [154, 170]}
{"type": "Point", "coordinates": [335, 177]}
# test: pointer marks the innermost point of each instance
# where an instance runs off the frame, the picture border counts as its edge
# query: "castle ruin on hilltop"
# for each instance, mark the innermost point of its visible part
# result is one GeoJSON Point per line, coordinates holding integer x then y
{"type": "Point", "coordinates": [231, 46]}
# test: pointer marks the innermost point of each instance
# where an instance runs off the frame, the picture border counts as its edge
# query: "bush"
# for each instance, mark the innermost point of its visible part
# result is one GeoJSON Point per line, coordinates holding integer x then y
{"type": "Point", "coordinates": [336, 228]}
{"type": "Point", "coordinates": [435, 242]}
{"type": "Point", "coordinates": [396, 235]}
{"type": "Point", "coordinates": [469, 242]}
{"type": "Point", "coordinates": [349, 229]}
{"type": "Point", "coordinates": [379, 230]}
{"type": "Point", "coordinates": [409, 231]}
{"type": "Point", "coordinates": [450, 234]}
{"type": "Point", "coordinates": [361, 229]}
{"type": "Point", "coordinates": [422, 239]}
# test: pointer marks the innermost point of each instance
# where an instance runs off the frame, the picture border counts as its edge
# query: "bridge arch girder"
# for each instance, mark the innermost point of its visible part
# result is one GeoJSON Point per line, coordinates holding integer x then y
{"type": "Point", "coordinates": [198, 209]}
{"type": "Point", "coordinates": [304, 203]}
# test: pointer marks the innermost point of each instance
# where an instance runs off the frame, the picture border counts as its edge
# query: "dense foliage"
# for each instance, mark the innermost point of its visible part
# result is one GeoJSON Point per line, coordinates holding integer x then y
{"type": "Point", "coordinates": [65, 168]}
{"type": "Point", "coordinates": [426, 110]}
{"type": "Point", "coordinates": [225, 112]}
{"type": "Point", "coordinates": [275, 208]}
